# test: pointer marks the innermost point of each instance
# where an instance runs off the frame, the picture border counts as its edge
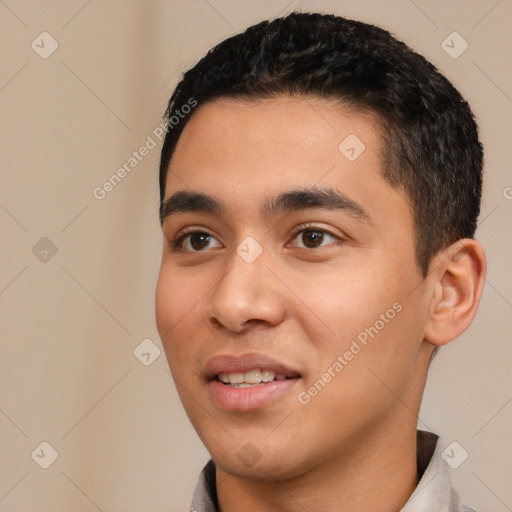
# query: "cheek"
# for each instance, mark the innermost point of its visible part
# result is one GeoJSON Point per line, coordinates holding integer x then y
{"type": "Point", "coordinates": [177, 306]}
{"type": "Point", "coordinates": [345, 301]}
{"type": "Point", "coordinates": [363, 312]}
{"type": "Point", "coordinates": [178, 290]}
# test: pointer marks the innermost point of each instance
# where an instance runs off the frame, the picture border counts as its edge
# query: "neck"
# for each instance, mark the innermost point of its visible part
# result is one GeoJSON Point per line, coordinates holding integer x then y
{"type": "Point", "coordinates": [379, 474]}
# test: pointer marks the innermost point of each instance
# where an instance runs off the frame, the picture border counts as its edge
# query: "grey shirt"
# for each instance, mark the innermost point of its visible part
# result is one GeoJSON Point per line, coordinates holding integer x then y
{"type": "Point", "coordinates": [434, 492]}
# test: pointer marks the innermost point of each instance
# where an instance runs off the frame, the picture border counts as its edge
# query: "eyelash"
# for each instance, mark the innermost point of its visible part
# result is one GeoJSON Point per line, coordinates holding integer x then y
{"type": "Point", "coordinates": [176, 243]}
{"type": "Point", "coordinates": [312, 227]}
{"type": "Point", "coordinates": [184, 233]}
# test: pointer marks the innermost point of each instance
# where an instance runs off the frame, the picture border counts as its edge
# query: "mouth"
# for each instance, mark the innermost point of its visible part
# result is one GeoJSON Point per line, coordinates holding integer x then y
{"type": "Point", "coordinates": [252, 378]}
{"type": "Point", "coordinates": [247, 382]}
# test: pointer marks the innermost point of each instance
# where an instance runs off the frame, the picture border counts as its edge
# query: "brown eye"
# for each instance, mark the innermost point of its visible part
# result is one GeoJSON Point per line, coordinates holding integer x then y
{"type": "Point", "coordinates": [199, 241]}
{"type": "Point", "coordinates": [196, 241]}
{"type": "Point", "coordinates": [313, 238]}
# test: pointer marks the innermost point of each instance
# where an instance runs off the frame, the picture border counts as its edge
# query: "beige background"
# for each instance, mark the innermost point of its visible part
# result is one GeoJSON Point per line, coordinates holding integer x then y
{"type": "Point", "coordinates": [69, 325]}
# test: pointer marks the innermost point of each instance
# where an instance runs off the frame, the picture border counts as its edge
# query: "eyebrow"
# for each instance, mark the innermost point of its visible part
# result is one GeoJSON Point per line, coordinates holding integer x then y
{"type": "Point", "coordinates": [325, 198]}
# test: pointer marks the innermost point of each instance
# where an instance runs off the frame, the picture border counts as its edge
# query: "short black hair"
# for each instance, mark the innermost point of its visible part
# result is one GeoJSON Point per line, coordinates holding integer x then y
{"type": "Point", "coordinates": [430, 144]}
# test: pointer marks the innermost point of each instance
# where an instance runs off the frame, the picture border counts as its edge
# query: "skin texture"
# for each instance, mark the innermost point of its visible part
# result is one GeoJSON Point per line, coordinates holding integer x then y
{"type": "Point", "coordinates": [352, 447]}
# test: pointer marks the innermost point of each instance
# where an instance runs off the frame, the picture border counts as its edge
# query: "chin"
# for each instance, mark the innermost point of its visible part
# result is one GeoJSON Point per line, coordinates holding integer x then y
{"type": "Point", "coordinates": [270, 463]}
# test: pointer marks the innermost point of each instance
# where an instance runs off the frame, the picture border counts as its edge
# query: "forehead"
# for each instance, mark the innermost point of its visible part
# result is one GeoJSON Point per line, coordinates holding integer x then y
{"type": "Point", "coordinates": [250, 150]}
{"type": "Point", "coordinates": [274, 131]}
{"type": "Point", "coordinates": [285, 119]}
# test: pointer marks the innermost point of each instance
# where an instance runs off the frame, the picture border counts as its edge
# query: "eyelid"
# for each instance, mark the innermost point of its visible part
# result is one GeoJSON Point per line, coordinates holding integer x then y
{"type": "Point", "coordinates": [313, 226]}
{"type": "Point", "coordinates": [180, 236]}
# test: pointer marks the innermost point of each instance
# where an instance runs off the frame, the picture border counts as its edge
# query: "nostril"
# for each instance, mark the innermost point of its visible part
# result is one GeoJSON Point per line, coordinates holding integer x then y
{"type": "Point", "coordinates": [216, 323]}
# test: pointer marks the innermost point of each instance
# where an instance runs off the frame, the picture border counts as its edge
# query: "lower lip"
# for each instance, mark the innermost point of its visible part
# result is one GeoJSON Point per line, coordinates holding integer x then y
{"type": "Point", "coordinates": [246, 399]}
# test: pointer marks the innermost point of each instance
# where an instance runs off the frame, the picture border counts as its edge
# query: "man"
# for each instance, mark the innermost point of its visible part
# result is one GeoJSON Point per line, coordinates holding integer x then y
{"type": "Point", "coordinates": [320, 188]}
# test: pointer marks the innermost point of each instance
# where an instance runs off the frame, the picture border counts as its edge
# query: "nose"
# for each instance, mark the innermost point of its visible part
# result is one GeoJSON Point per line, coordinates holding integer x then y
{"type": "Point", "coordinates": [248, 294]}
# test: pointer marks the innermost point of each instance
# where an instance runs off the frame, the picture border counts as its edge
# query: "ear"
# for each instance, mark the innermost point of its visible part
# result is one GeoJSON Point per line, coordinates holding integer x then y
{"type": "Point", "coordinates": [458, 275]}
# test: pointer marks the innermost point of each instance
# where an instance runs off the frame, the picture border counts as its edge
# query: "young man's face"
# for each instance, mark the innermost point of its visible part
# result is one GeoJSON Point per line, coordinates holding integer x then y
{"type": "Point", "coordinates": [334, 298]}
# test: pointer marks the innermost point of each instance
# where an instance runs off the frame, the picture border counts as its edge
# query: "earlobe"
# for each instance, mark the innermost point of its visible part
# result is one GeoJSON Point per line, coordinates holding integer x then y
{"type": "Point", "coordinates": [459, 273]}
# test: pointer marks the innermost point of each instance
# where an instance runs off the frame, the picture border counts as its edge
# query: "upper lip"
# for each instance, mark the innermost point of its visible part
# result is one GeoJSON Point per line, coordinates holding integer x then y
{"type": "Point", "coordinates": [244, 363]}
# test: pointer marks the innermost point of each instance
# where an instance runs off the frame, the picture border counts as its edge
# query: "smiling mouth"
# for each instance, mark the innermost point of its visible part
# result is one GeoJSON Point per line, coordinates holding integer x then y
{"type": "Point", "coordinates": [252, 378]}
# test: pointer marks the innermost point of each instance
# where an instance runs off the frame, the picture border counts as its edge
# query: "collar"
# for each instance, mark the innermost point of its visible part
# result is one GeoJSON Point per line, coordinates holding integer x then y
{"type": "Point", "coordinates": [434, 490]}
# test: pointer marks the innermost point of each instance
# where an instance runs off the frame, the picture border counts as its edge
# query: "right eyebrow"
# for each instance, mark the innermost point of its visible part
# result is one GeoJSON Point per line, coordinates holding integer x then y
{"type": "Point", "coordinates": [184, 201]}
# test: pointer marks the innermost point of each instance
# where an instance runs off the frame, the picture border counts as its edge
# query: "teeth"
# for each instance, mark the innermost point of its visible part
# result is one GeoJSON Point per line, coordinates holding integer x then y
{"type": "Point", "coordinates": [250, 378]}
{"type": "Point", "coordinates": [236, 378]}
{"type": "Point", "coordinates": [267, 375]}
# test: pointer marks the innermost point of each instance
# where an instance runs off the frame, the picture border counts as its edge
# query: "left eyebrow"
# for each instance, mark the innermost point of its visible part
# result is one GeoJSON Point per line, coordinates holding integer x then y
{"type": "Point", "coordinates": [322, 198]}
{"type": "Point", "coordinates": [294, 200]}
